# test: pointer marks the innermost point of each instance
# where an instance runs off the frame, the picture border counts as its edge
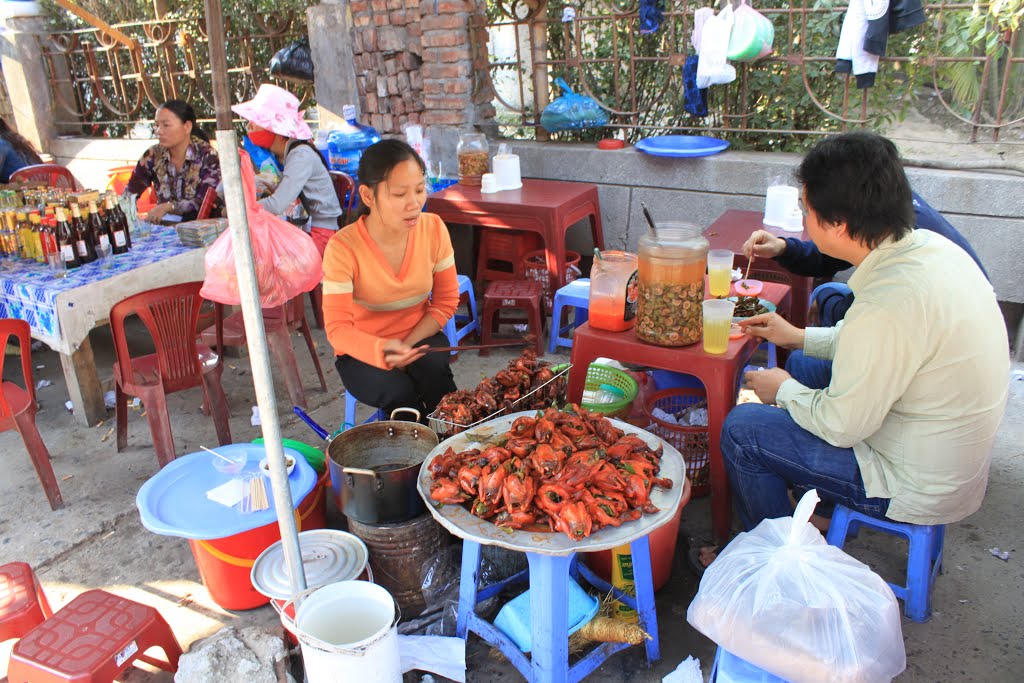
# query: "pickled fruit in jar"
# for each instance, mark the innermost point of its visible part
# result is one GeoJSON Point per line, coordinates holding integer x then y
{"type": "Point", "coordinates": [671, 286]}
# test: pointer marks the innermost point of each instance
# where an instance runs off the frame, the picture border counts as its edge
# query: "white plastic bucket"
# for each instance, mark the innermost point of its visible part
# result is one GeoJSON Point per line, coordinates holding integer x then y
{"type": "Point", "coordinates": [348, 632]}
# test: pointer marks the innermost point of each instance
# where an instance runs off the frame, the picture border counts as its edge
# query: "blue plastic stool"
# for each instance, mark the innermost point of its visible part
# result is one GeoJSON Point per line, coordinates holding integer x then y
{"type": "Point", "coordinates": [350, 411]}
{"type": "Point", "coordinates": [548, 576]}
{"type": "Point", "coordinates": [470, 323]}
{"type": "Point", "coordinates": [924, 559]}
{"type": "Point", "coordinates": [577, 295]}
{"type": "Point", "coordinates": [728, 668]}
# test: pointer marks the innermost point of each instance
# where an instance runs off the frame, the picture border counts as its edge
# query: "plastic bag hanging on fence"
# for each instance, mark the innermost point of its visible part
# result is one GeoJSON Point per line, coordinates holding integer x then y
{"type": "Point", "coordinates": [712, 68]}
{"type": "Point", "coordinates": [572, 112]}
{"type": "Point", "coordinates": [287, 262]}
{"type": "Point", "coordinates": [650, 16]}
{"type": "Point", "coordinates": [752, 34]}
{"type": "Point", "coordinates": [293, 62]}
{"type": "Point", "coordinates": [782, 599]}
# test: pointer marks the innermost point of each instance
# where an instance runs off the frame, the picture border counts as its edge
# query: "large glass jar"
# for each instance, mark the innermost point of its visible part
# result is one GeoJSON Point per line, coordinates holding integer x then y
{"type": "Point", "coordinates": [671, 278]}
{"type": "Point", "coordinates": [474, 158]}
{"type": "Point", "coordinates": [613, 291]}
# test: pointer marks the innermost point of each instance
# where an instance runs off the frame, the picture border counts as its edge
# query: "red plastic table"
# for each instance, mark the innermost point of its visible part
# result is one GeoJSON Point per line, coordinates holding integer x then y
{"type": "Point", "coordinates": [546, 207]}
{"type": "Point", "coordinates": [732, 229]}
{"type": "Point", "coordinates": [718, 372]}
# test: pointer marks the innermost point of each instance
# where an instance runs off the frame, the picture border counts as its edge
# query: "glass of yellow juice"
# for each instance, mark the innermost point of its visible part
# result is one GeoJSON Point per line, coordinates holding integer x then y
{"type": "Point", "coordinates": [717, 321]}
{"type": "Point", "coordinates": [719, 271]}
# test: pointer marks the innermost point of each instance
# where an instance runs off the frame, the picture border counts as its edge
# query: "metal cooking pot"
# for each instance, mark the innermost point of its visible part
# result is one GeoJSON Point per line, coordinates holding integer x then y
{"type": "Point", "coordinates": [374, 468]}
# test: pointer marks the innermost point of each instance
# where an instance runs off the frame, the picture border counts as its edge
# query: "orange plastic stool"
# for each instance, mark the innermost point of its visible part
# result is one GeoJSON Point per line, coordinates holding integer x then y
{"type": "Point", "coordinates": [94, 638]}
{"type": "Point", "coordinates": [521, 294]}
{"type": "Point", "coordinates": [23, 604]}
{"type": "Point", "coordinates": [498, 247]}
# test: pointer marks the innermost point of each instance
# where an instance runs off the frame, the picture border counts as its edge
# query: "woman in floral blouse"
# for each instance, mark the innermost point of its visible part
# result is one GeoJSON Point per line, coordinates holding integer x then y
{"type": "Point", "coordinates": [181, 168]}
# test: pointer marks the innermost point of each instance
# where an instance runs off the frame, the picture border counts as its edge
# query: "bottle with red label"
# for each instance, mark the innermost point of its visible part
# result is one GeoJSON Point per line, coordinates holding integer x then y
{"type": "Point", "coordinates": [66, 239]}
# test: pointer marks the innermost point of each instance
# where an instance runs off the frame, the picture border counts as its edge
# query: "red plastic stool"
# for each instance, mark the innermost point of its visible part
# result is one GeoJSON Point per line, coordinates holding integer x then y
{"type": "Point", "coordinates": [521, 294]}
{"type": "Point", "coordinates": [23, 604]}
{"type": "Point", "coordinates": [94, 638]}
{"type": "Point", "coordinates": [499, 247]}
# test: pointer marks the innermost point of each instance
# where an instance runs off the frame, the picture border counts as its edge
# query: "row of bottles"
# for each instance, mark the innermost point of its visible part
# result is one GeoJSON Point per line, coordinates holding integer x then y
{"type": "Point", "coordinates": [32, 235]}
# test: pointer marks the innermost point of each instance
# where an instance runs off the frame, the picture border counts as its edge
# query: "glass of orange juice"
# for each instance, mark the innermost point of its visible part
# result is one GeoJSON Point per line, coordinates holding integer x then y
{"type": "Point", "coordinates": [717, 321]}
{"type": "Point", "coordinates": [719, 271]}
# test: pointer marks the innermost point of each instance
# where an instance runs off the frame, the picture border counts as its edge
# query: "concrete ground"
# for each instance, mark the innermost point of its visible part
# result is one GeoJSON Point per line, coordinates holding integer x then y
{"type": "Point", "coordinates": [97, 541]}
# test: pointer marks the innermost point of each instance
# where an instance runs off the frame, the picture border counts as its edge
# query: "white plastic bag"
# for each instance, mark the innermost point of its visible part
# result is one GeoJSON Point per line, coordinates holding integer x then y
{"type": "Point", "coordinates": [712, 68]}
{"type": "Point", "coordinates": [785, 601]}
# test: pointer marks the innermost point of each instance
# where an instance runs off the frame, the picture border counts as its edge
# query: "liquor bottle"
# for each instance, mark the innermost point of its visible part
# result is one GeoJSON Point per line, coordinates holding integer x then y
{"type": "Point", "coordinates": [49, 235]}
{"type": "Point", "coordinates": [99, 228]}
{"type": "Point", "coordinates": [39, 237]}
{"type": "Point", "coordinates": [84, 246]}
{"type": "Point", "coordinates": [25, 235]}
{"type": "Point", "coordinates": [65, 239]}
{"type": "Point", "coordinates": [117, 223]}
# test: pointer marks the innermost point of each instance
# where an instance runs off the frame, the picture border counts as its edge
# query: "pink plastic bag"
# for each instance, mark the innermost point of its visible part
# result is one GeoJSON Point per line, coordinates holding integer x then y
{"type": "Point", "coordinates": [287, 261]}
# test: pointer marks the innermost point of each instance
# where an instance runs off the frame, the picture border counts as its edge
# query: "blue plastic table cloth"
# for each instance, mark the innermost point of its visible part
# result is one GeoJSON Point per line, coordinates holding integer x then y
{"type": "Point", "coordinates": [173, 502]}
{"type": "Point", "coordinates": [29, 290]}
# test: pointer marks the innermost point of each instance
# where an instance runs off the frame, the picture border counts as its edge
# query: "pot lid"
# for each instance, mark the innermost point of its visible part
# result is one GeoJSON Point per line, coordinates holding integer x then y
{"type": "Point", "coordinates": [328, 556]}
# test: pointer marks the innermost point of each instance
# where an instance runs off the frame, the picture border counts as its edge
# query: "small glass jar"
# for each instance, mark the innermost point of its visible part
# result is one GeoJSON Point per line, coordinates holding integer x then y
{"type": "Point", "coordinates": [613, 291]}
{"type": "Point", "coordinates": [474, 158]}
{"type": "Point", "coordinates": [671, 285]}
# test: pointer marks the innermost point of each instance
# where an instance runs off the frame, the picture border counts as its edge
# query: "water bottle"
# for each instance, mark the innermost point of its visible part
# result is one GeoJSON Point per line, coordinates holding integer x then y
{"type": "Point", "coordinates": [320, 139]}
{"type": "Point", "coordinates": [347, 143]}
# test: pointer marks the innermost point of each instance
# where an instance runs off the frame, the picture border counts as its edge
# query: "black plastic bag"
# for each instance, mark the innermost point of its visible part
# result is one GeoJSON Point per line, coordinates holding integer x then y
{"type": "Point", "coordinates": [293, 62]}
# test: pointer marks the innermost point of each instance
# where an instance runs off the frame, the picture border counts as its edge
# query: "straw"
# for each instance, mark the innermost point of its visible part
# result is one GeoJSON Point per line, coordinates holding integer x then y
{"type": "Point", "coordinates": [650, 221]}
{"type": "Point", "coordinates": [222, 457]}
{"type": "Point", "coordinates": [597, 254]}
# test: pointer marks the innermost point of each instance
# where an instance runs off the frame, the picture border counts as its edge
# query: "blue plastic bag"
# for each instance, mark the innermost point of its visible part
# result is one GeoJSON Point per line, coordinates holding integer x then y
{"type": "Point", "coordinates": [572, 112]}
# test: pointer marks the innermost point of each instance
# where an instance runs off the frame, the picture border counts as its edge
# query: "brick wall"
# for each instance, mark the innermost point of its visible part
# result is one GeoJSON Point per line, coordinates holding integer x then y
{"type": "Point", "coordinates": [414, 63]}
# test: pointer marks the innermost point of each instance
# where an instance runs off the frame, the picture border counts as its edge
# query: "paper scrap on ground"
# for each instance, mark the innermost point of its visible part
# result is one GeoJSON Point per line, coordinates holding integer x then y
{"type": "Point", "coordinates": [1001, 554]}
{"type": "Point", "coordinates": [110, 399]}
{"type": "Point", "coordinates": [229, 493]}
{"type": "Point", "coordinates": [688, 671]}
{"type": "Point", "coordinates": [43, 383]}
{"type": "Point", "coordinates": [255, 419]}
{"type": "Point", "coordinates": [442, 655]}
{"type": "Point", "coordinates": [69, 405]}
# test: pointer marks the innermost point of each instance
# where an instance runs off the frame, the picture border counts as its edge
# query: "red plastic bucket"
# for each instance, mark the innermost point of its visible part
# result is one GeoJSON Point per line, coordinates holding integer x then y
{"type": "Point", "coordinates": [663, 549]}
{"type": "Point", "coordinates": [225, 563]}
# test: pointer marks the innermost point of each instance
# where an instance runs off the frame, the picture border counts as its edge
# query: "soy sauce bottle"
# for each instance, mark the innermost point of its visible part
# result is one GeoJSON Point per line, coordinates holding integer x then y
{"type": "Point", "coordinates": [83, 242]}
{"type": "Point", "coordinates": [98, 227]}
{"type": "Point", "coordinates": [66, 239]}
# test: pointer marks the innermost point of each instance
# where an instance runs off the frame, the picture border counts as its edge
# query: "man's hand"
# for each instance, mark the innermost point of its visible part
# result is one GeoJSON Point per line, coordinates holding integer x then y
{"type": "Point", "coordinates": [157, 212]}
{"type": "Point", "coordinates": [766, 383]}
{"type": "Point", "coordinates": [773, 327]}
{"type": "Point", "coordinates": [398, 354]}
{"type": "Point", "coordinates": [763, 244]}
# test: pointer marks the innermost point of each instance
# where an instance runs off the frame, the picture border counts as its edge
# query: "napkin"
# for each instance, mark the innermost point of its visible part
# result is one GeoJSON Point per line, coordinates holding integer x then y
{"type": "Point", "coordinates": [229, 493]}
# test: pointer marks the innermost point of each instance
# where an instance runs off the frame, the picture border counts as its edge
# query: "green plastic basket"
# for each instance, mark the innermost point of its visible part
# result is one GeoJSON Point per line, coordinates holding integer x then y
{"type": "Point", "coordinates": [602, 374]}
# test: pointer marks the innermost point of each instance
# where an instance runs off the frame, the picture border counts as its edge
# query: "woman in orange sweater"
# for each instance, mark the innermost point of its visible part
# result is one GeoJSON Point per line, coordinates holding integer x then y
{"type": "Point", "coordinates": [390, 286]}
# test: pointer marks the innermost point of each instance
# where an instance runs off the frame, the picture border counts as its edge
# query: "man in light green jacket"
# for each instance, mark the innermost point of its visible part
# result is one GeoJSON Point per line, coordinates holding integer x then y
{"type": "Point", "coordinates": [920, 362]}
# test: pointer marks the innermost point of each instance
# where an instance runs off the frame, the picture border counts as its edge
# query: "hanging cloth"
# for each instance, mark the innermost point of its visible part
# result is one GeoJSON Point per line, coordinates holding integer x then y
{"type": "Point", "coordinates": [865, 34]}
{"type": "Point", "coordinates": [695, 100]}
{"type": "Point", "coordinates": [650, 16]}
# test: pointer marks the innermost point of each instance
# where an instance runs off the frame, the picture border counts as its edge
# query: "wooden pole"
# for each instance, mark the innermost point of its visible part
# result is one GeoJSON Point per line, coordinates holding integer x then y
{"type": "Point", "coordinates": [93, 20]}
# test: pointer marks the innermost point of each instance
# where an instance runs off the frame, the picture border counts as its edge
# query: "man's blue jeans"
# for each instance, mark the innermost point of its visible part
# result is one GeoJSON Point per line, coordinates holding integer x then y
{"type": "Point", "coordinates": [766, 453]}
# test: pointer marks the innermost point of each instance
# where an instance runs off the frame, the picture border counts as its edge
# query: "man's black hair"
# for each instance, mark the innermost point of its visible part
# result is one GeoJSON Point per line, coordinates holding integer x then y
{"type": "Point", "coordinates": [858, 178]}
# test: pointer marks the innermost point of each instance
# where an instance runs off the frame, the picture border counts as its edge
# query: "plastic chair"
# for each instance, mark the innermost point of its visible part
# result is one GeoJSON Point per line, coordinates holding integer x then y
{"type": "Point", "coordinates": [470, 323]}
{"type": "Point", "coordinates": [94, 638]}
{"type": "Point", "coordinates": [577, 295]}
{"type": "Point", "coordinates": [351, 403]}
{"type": "Point", "coordinates": [51, 175]}
{"type": "Point", "coordinates": [507, 247]}
{"type": "Point", "coordinates": [170, 314]}
{"type": "Point", "coordinates": [18, 409]}
{"type": "Point", "coordinates": [278, 324]}
{"type": "Point", "coordinates": [207, 206]}
{"type": "Point", "coordinates": [924, 560]}
{"type": "Point", "coordinates": [23, 605]}
{"type": "Point", "coordinates": [502, 295]}
{"type": "Point", "coordinates": [735, 670]}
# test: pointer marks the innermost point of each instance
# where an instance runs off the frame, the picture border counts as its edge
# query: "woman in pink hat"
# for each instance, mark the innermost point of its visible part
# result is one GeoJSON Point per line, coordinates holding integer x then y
{"type": "Point", "coordinates": [276, 124]}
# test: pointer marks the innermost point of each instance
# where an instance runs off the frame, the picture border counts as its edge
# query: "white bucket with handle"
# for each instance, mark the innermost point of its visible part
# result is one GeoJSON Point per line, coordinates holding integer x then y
{"type": "Point", "coordinates": [347, 631]}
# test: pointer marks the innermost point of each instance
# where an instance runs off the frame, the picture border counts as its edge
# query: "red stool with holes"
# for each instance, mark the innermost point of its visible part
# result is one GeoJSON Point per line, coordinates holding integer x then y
{"type": "Point", "coordinates": [23, 604]}
{"type": "Point", "coordinates": [94, 638]}
{"type": "Point", "coordinates": [498, 247]}
{"type": "Point", "coordinates": [522, 294]}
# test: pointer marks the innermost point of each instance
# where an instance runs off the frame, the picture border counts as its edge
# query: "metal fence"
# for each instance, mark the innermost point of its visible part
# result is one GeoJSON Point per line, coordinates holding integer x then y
{"type": "Point", "coordinates": [105, 87]}
{"type": "Point", "coordinates": [778, 102]}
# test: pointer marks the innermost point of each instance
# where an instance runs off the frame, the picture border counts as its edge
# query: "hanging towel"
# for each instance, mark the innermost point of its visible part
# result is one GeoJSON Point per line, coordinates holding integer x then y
{"type": "Point", "coordinates": [865, 34]}
{"type": "Point", "coordinates": [695, 100]}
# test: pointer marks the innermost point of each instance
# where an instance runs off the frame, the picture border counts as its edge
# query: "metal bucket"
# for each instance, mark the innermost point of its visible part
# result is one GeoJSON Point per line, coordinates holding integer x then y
{"type": "Point", "coordinates": [398, 553]}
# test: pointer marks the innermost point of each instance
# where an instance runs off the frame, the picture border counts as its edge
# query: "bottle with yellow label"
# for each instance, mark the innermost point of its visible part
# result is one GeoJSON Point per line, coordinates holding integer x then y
{"type": "Point", "coordinates": [622, 578]}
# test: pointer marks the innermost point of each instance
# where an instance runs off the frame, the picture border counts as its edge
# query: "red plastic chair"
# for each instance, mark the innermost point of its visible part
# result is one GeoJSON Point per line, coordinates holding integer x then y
{"type": "Point", "coordinates": [18, 409]}
{"type": "Point", "coordinates": [278, 324]}
{"type": "Point", "coordinates": [23, 605]}
{"type": "Point", "coordinates": [51, 175]}
{"type": "Point", "coordinates": [207, 206]}
{"type": "Point", "coordinates": [171, 315]}
{"type": "Point", "coordinates": [94, 639]}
